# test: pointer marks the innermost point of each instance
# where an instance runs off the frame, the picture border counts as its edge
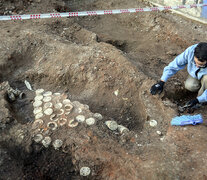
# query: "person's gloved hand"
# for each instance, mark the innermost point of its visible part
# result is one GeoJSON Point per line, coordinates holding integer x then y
{"type": "Point", "coordinates": [192, 103]}
{"type": "Point", "coordinates": [157, 88]}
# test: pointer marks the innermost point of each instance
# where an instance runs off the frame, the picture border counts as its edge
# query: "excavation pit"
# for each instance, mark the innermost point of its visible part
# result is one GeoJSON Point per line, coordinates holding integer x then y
{"type": "Point", "coordinates": [102, 68]}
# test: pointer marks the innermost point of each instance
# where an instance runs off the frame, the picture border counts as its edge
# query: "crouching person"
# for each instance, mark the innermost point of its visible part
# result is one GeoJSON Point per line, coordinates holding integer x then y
{"type": "Point", "coordinates": [195, 58]}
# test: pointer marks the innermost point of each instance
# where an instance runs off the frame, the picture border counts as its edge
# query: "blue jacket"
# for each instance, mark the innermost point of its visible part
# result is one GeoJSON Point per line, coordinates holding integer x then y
{"type": "Point", "coordinates": [186, 58]}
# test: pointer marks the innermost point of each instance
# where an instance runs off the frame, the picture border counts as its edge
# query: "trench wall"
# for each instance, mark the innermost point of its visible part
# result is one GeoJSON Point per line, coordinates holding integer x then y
{"type": "Point", "coordinates": [198, 14]}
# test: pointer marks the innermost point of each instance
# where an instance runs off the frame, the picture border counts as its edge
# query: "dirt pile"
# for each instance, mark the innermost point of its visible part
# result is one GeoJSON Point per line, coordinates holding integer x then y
{"type": "Point", "coordinates": [108, 64]}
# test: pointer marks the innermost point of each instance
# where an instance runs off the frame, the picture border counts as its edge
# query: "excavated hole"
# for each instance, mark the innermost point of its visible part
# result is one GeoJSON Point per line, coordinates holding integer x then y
{"type": "Point", "coordinates": [121, 45]}
{"type": "Point", "coordinates": [22, 109]}
{"type": "Point", "coordinates": [48, 163]}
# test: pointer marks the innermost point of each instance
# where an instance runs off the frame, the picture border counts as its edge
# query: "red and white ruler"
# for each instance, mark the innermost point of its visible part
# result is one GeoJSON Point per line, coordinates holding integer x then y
{"type": "Point", "coordinates": [92, 13]}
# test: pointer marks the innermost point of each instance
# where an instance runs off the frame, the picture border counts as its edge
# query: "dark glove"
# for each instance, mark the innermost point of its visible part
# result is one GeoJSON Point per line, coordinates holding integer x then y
{"type": "Point", "coordinates": [157, 88]}
{"type": "Point", "coordinates": [192, 102]}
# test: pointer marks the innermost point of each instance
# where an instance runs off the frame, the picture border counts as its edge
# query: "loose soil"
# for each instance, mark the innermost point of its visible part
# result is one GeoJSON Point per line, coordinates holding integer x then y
{"type": "Point", "coordinates": [89, 59]}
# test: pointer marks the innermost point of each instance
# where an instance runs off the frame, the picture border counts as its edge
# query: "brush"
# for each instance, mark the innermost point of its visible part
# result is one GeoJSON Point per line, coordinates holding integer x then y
{"type": "Point", "coordinates": [186, 120]}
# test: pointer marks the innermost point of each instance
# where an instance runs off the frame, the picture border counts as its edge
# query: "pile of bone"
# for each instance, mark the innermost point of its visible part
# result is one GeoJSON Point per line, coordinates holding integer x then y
{"type": "Point", "coordinates": [114, 126]}
{"type": "Point", "coordinates": [53, 111]}
{"type": "Point", "coordinates": [12, 93]}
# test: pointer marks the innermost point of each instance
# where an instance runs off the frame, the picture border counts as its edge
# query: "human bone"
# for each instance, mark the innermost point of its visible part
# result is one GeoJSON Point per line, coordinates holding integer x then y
{"type": "Point", "coordinates": [37, 103]}
{"type": "Point", "coordinates": [159, 132]}
{"type": "Point", "coordinates": [122, 129]}
{"type": "Point", "coordinates": [85, 171]}
{"type": "Point", "coordinates": [72, 123]}
{"type": "Point", "coordinates": [39, 115]}
{"type": "Point", "coordinates": [54, 117]}
{"type": "Point", "coordinates": [80, 118]}
{"type": "Point", "coordinates": [21, 95]}
{"type": "Point", "coordinates": [68, 107]}
{"type": "Point", "coordinates": [11, 96]}
{"type": "Point", "coordinates": [62, 121]}
{"type": "Point", "coordinates": [112, 125]}
{"type": "Point", "coordinates": [46, 141]}
{"type": "Point", "coordinates": [28, 85]}
{"type": "Point", "coordinates": [86, 106]}
{"type": "Point", "coordinates": [153, 123]}
{"type": "Point", "coordinates": [48, 111]}
{"type": "Point", "coordinates": [37, 110]}
{"type": "Point", "coordinates": [58, 105]}
{"type": "Point", "coordinates": [66, 101]}
{"type": "Point", "coordinates": [48, 93]}
{"type": "Point", "coordinates": [38, 98]}
{"type": "Point", "coordinates": [52, 125]}
{"type": "Point", "coordinates": [56, 94]}
{"type": "Point", "coordinates": [98, 116]}
{"type": "Point", "coordinates": [47, 105]}
{"type": "Point", "coordinates": [37, 138]}
{"type": "Point", "coordinates": [47, 99]}
{"type": "Point", "coordinates": [37, 123]}
{"type": "Point", "coordinates": [90, 121]}
{"type": "Point", "coordinates": [39, 91]}
{"type": "Point", "coordinates": [57, 143]}
{"type": "Point", "coordinates": [60, 112]}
